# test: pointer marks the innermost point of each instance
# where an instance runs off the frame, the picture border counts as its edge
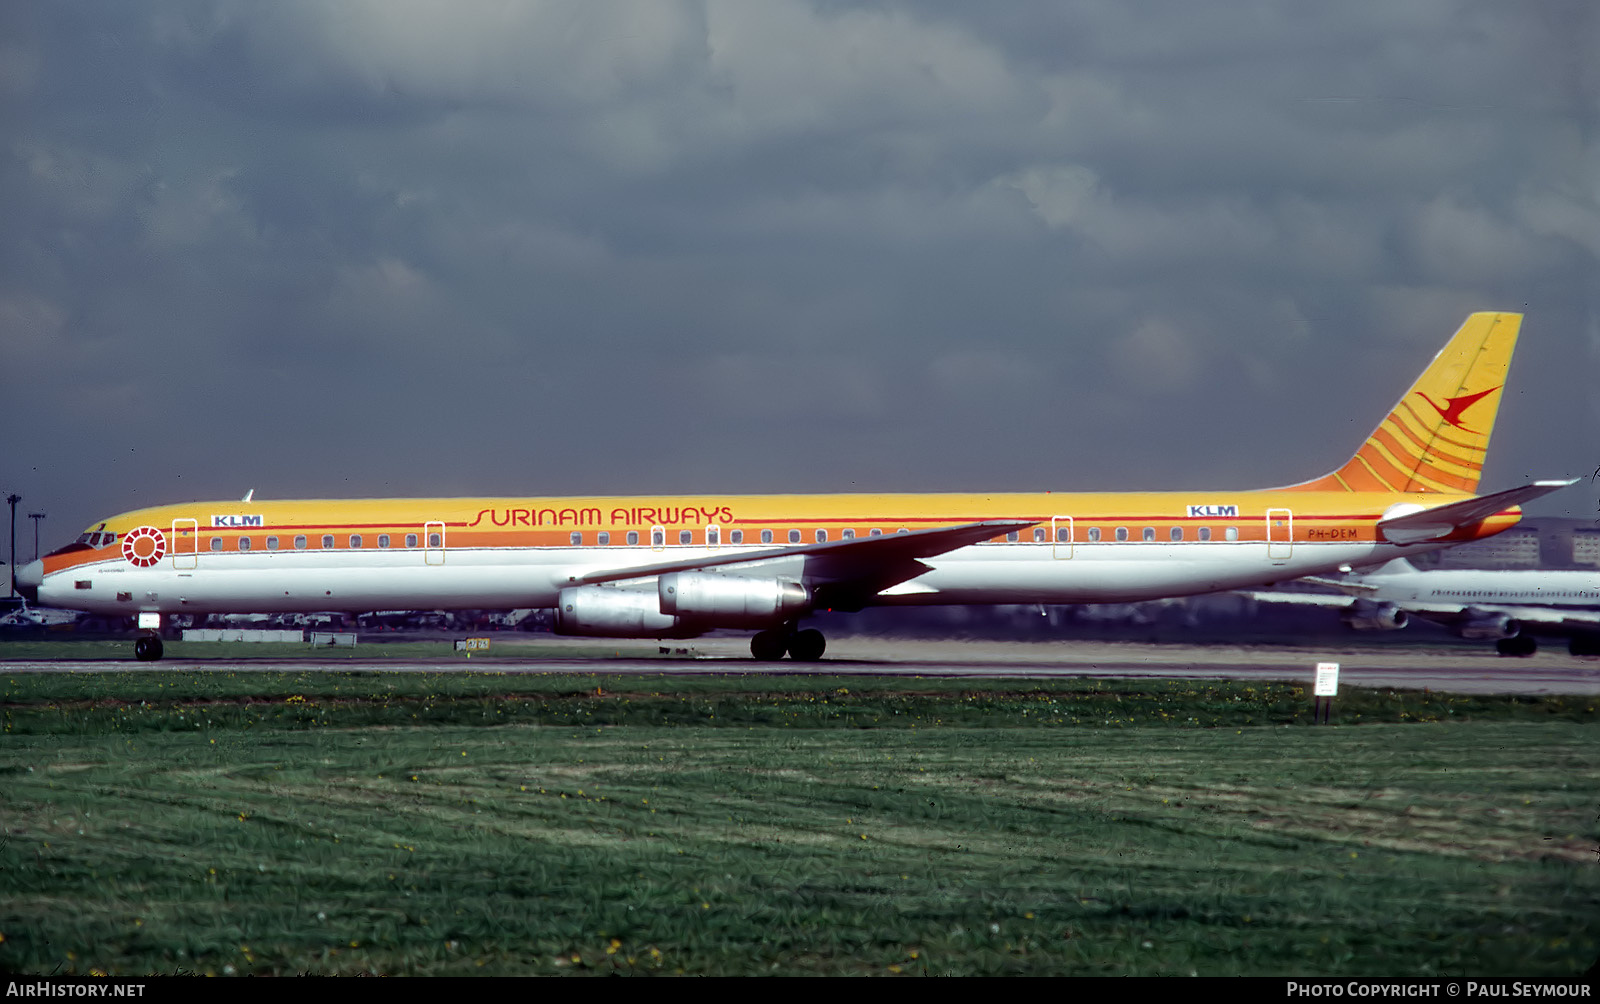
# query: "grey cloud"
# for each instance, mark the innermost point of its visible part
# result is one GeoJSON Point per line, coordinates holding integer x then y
{"type": "Point", "coordinates": [376, 247]}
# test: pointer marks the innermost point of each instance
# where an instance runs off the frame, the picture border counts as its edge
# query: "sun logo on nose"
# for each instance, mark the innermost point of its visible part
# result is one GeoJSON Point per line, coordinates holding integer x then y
{"type": "Point", "coordinates": [144, 546]}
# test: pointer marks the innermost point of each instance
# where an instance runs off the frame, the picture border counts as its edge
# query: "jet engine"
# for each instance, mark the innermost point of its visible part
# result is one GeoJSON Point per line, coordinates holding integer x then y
{"type": "Point", "coordinates": [684, 604]}
{"type": "Point", "coordinates": [598, 611]}
{"type": "Point", "coordinates": [731, 600]}
{"type": "Point", "coordinates": [1489, 626]}
{"type": "Point", "coordinates": [1376, 617]}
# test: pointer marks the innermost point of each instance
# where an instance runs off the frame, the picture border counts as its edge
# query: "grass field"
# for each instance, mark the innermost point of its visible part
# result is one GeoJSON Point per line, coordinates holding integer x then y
{"type": "Point", "coordinates": [403, 650]}
{"type": "Point", "coordinates": [420, 823]}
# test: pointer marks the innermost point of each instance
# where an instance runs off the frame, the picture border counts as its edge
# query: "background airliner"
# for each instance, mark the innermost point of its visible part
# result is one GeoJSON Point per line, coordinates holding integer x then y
{"type": "Point", "coordinates": [679, 566]}
{"type": "Point", "coordinates": [1512, 607]}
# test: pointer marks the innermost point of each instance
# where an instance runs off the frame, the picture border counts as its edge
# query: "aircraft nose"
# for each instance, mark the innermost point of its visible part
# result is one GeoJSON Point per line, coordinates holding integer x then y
{"type": "Point", "coordinates": [28, 579]}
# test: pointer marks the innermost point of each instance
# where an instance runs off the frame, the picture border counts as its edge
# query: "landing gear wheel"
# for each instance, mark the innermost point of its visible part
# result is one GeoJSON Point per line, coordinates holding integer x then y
{"type": "Point", "coordinates": [807, 645]}
{"type": "Point", "coordinates": [767, 646]}
{"type": "Point", "coordinates": [147, 648]}
{"type": "Point", "coordinates": [1519, 645]}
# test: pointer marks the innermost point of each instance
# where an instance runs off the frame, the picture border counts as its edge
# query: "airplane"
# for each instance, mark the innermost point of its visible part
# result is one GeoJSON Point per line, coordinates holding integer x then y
{"type": "Point", "coordinates": [675, 567]}
{"type": "Point", "coordinates": [1509, 606]}
{"type": "Point", "coordinates": [26, 616]}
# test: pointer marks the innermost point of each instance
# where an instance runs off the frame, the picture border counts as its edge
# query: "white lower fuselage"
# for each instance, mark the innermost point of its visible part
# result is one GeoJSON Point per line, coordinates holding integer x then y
{"type": "Point", "coordinates": [496, 578]}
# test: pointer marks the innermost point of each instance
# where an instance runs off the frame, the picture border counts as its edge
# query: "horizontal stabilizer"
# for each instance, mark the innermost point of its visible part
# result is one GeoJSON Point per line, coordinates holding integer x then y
{"type": "Point", "coordinates": [1441, 521]}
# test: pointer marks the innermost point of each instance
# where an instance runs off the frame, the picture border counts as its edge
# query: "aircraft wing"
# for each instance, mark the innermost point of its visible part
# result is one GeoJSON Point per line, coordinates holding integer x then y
{"type": "Point", "coordinates": [1439, 613]}
{"type": "Point", "coordinates": [1353, 587]}
{"type": "Point", "coordinates": [844, 570]}
{"type": "Point", "coordinates": [1534, 619]}
{"type": "Point", "coordinates": [1441, 521]}
{"type": "Point", "coordinates": [1300, 599]}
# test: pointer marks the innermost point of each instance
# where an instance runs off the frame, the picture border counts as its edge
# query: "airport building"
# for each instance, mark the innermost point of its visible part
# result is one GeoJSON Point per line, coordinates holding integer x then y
{"type": "Point", "coordinates": [1535, 543]}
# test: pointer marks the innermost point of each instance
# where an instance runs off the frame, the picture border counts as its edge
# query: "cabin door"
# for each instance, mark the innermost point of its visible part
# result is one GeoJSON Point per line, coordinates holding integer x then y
{"type": "Point", "coordinates": [433, 543]}
{"type": "Point", "coordinates": [185, 543]}
{"type": "Point", "coordinates": [1061, 536]}
{"type": "Point", "coordinates": [1280, 534]}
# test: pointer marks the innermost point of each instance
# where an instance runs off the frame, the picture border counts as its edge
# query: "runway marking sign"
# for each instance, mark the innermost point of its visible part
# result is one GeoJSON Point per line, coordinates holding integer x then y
{"type": "Point", "coordinates": [1327, 680]}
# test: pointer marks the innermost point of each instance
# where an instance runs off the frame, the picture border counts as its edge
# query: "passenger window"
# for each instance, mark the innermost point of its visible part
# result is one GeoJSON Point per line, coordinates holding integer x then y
{"type": "Point", "coordinates": [794, 536]}
{"type": "Point", "coordinates": [355, 540]}
{"type": "Point", "coordinates": [766, 536]}
{"type": "Point", "coordinates": [216, 543]}
{"type": "Point", "coordinates": [299, 542]}
{"type": "Point", "coordinates": [603, 538]}
{"type": "Point", "coordinates": [272, 543]}
{"type": "Point", "coordinates": [736, 536]}
{"type": "Point", "coordinates": [1205, 533]}
{"type": "Point", "coordinates": [1038, 535]}
{"type": "Point", "coordinates": [633, 537]}
{"type": "Point", "coordinates": [411, 540]}
{"type": "Point", "coordinates": [1176, 533]}
{"type": "Point", "coordinates": [822, 535]}
{"type": "Point", "coordinates": [244, 543]}
{"type": "Point", "coordinates": [713, 536]}
{"type": "Point", "coordinates": [1122, 533]}
{"type": "Point", "coordinates": [576, 538]}
{"type": "Point", "coordinates": [875, 532]}
{"type": "Point", "coordinates": [847, 534]}
{"type": "Point", "coordinates": [1094, 534]}
{"type": "Point", "coordinates": [1011, 538]}
{"type": "Point", "coordinates": [327, 541]}
{"type": "Point", "coordinates": [1233, 533]}
{"type": "Point", "coordinates": [437, 539]}
{"type": "Point", "coordinates": [1149, 533]}
{"type": "Point", "coordinates": [1064, 535]}
{"type": "Point", "coordinates": [902, 530]}
{"type": "Point", "coordinates": [658, 537]}
{"type": "Point", "coordinates": [684, 536]}
{"type": "Point", "coordinates": [383, 540]}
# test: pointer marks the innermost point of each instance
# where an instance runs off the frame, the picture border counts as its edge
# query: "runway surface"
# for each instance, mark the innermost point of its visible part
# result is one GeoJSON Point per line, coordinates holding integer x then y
{"type": "Point", "coordinates": [1453, 670]}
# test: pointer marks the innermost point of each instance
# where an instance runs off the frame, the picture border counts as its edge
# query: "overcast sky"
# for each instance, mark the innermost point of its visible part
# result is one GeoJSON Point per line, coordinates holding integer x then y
{"type": "Point", "coordinates": [336, 249]}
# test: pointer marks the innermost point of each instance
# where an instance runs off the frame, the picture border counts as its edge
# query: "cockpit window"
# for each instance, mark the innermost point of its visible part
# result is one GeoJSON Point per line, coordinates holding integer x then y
{"type": "Point", "coordinates": [97, 539]}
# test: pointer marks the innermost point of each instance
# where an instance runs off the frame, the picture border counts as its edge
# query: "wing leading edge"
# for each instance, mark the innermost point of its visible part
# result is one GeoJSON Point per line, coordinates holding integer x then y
{"type": "Point", "coordinates": [847, 569]}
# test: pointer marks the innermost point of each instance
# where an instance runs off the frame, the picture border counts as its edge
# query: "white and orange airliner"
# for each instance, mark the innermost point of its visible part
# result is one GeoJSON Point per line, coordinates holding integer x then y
{"type": "Point", "coordinates": [680, 566]}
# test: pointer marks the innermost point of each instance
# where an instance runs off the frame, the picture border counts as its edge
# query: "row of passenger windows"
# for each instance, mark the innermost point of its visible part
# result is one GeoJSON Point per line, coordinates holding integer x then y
{"type": "Point", "coordinates": [1093, 535]}
{"type": "Point", "coordinates": [713, 536]}
{"type": "Point", "coordinates": [658, 537]}
{"type": "Point", "coordinates": [355, 540]}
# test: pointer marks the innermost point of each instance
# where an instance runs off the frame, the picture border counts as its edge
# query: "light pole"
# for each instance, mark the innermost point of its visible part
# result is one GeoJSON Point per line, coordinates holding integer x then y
{"type": "Point", "coordinates": [11, 580]}
{"type": "Point", "coordinates": [36, 517]}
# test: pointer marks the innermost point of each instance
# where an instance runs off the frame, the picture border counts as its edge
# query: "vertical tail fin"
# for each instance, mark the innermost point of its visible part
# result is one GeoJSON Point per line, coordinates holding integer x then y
{"type": "Point", "coordinates": [1435, 439]}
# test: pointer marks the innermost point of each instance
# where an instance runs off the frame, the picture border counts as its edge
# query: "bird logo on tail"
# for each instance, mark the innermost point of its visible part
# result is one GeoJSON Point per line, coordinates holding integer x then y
{"type": "Point", "coordinates": [1453, 407]}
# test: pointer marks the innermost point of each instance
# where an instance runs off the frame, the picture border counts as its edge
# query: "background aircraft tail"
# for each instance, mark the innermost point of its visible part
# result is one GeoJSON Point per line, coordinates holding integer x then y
{"type": "Point", "coordinates": [1435, 439]}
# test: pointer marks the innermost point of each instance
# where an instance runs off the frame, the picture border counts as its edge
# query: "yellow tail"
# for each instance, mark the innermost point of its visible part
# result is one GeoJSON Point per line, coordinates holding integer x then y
{"type": "Point", "coordinates": [1435, 439]}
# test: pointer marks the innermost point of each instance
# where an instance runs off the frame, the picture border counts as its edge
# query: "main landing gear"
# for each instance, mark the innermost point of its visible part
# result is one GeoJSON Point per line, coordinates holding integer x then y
{"type": "Point", "coordinates": [1519, 645]}
{"type": "Point", "coordinates": [802, 646]}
